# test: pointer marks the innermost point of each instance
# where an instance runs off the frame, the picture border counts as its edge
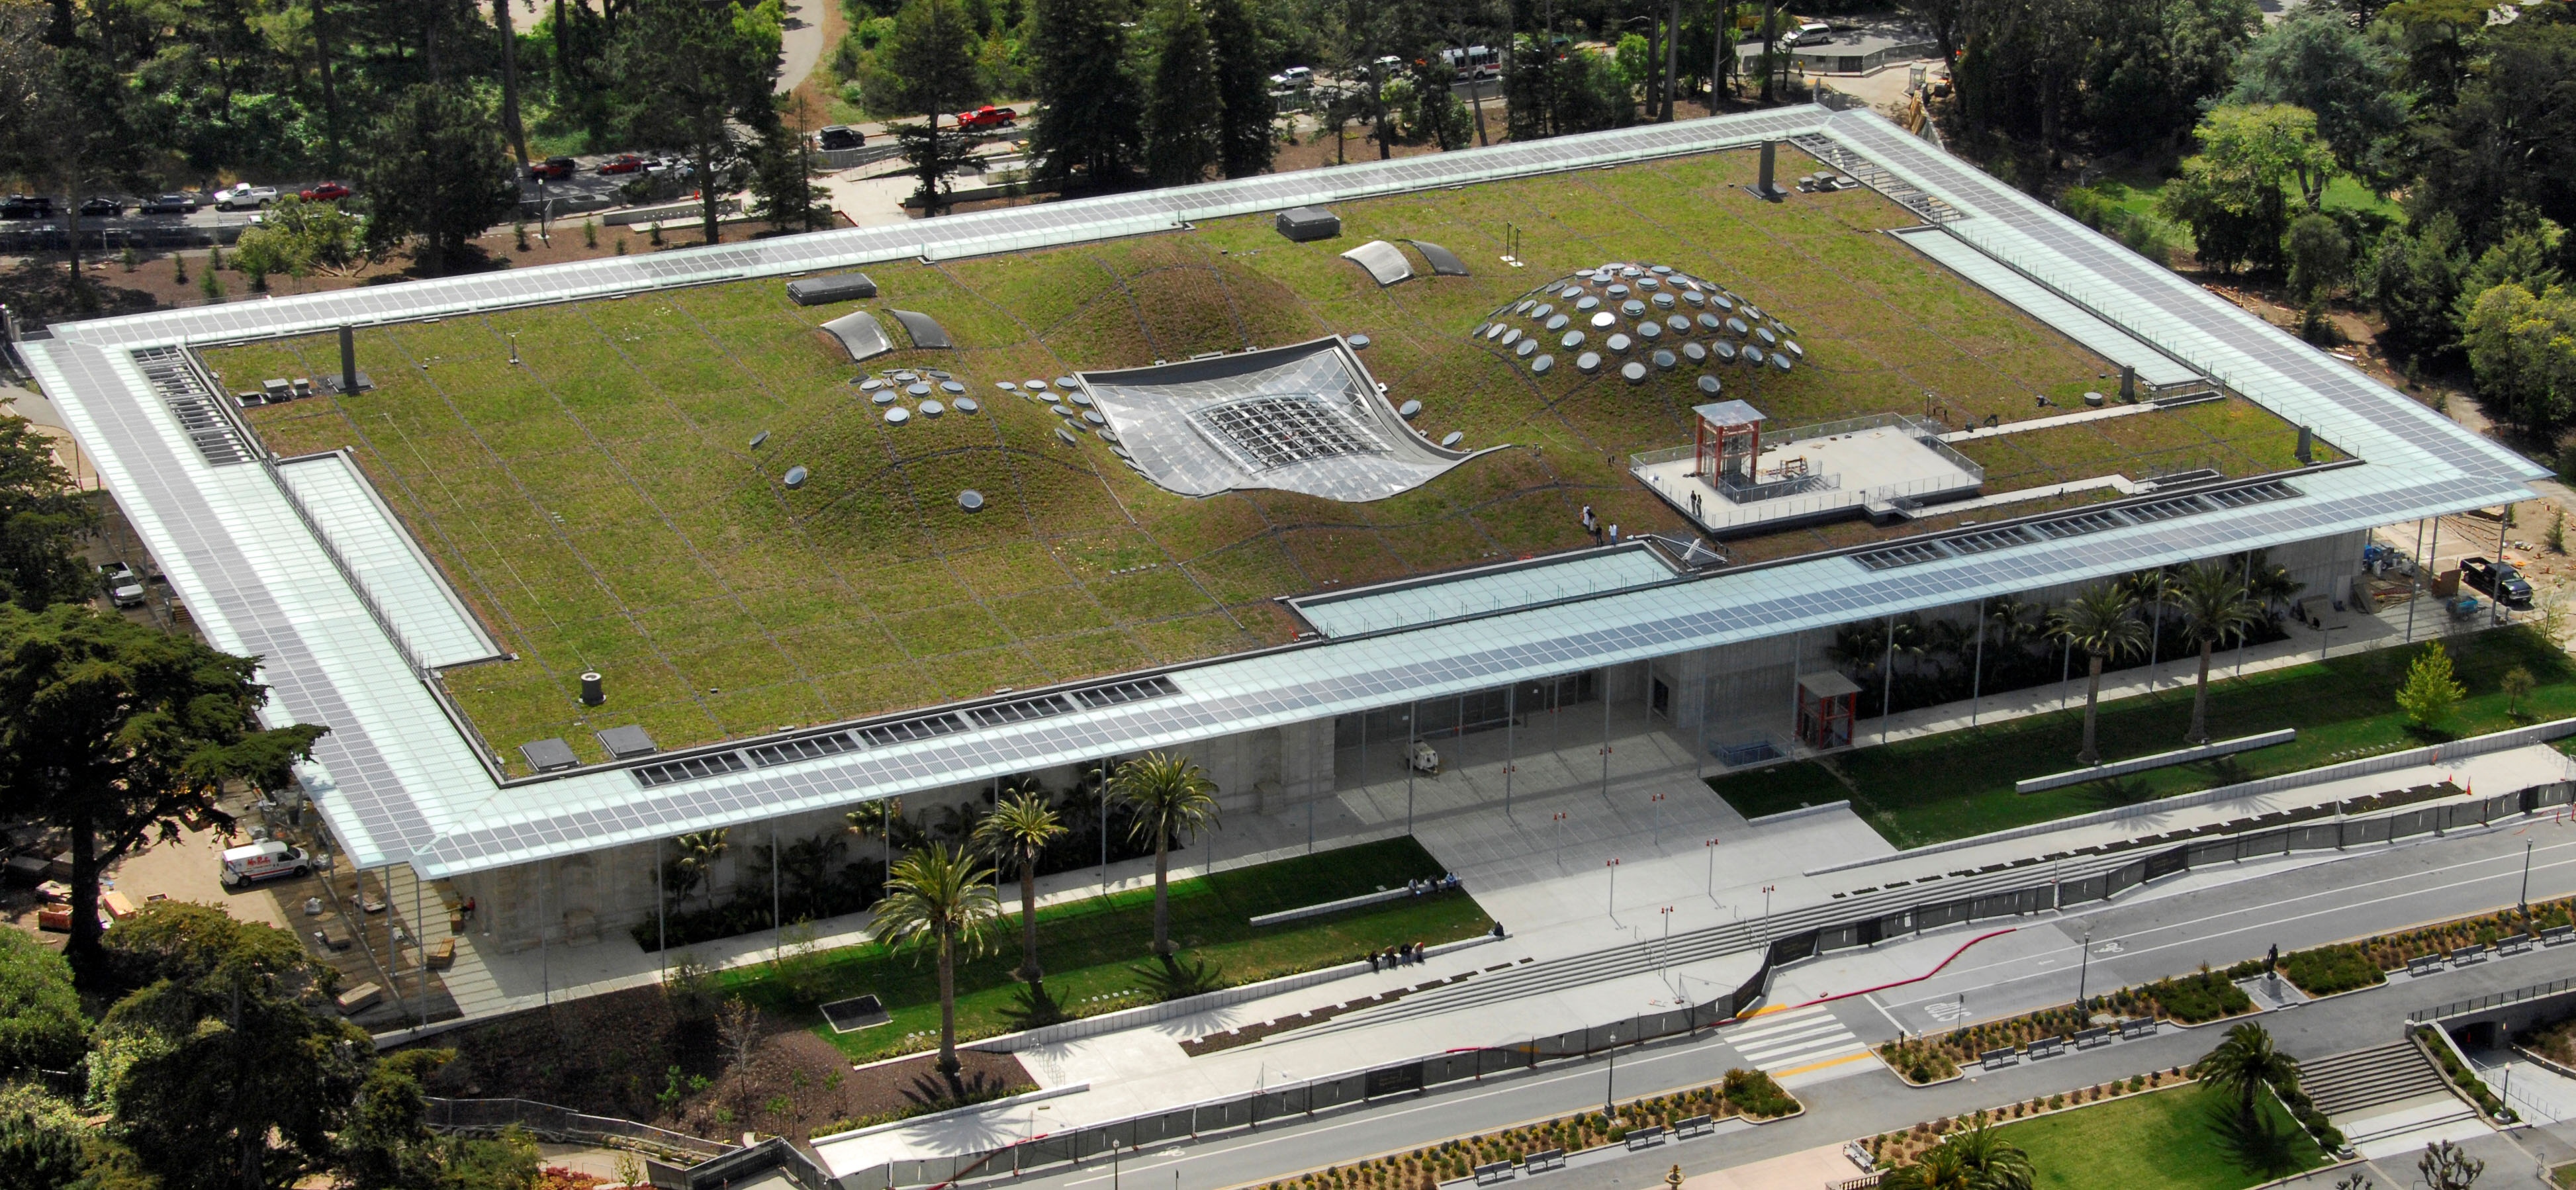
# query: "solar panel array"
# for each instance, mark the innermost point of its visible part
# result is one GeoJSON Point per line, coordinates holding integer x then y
{"type": "Point", "coordinates": [1921, 550]}
{"type": "Point", "coordinates": [1268, 432]}
{"type": "Point", "coordinates": [195, 403]}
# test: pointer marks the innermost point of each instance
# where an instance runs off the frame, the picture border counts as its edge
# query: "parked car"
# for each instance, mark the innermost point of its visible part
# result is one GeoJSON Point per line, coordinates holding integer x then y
{"type": "Point", "coordinates": [839, 136]}
{"type": "Point", "coordinates": [987, 116]}
{"type": "Point", "coordinates": [1295, 78]}
{"type": "Point", "coordinates": [124, 588]}
{"type": "Point", "coordinates": [1813, 33]}
{"type": "Point", "coordinates": [26, 206]}
{"type": "Point", "coordinates": [170, 204]}
{"type": "Point", "coordinates": [554, 167]}
{"type": "Point", "coordinates": [242, 196]}
{"type": "Point", "coordinates": [623, 163]}
{"type": "Point", "coordinates": [254, 862]}
{"type": "Point", "coordinates": [326, 192]}
{"type": "Point", "coordinates": [104, 206]}
{"type": "Point", "coordinates": [2497, 579]}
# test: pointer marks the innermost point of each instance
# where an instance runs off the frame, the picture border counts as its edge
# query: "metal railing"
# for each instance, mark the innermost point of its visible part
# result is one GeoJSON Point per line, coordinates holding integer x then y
{"type": "Point", "coordinates": [2493, 1000]}
{"type": "Point", "coordinates": [481, 1116]}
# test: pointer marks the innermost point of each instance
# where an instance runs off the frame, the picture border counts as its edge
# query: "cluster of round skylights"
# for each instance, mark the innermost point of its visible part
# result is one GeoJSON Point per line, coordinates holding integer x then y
{"type": "Point", "coordinates": [1066, 400]}
{"type": "Point", "coordinates": [903, 393]}
{"type": "Point", "coordinates": [1637, 320]}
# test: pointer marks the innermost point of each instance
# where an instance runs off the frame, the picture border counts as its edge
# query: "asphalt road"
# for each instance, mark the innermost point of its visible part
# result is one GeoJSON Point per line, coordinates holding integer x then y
{"type": "Point", "coordinates": [2170, 930]}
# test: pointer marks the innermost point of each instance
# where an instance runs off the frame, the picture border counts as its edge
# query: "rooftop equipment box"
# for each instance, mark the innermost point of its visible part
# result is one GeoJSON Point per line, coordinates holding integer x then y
{"type": "Point", "coordinates": [1309, 223]}
{"type": "Point", "coordinates": [841, 287]}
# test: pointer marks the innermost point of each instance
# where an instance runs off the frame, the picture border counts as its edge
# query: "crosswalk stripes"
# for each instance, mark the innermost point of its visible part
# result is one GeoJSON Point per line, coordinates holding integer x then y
{"type": "Point", "coordinates": [1799, 1041]}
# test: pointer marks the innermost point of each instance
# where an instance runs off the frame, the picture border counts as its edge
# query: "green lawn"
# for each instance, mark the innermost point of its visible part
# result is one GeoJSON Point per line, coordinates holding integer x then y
{"type": "Point", "coordinates": [1091, 947]}
{"type": "Point", "coordinates": [1961, 783]}
{"type": "Point", "coordinates": [2162, 1140]}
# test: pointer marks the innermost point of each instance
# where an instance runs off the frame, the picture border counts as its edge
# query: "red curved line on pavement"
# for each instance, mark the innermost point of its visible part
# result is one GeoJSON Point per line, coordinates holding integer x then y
{"type": "Point", "coordinates": [1936, 970]}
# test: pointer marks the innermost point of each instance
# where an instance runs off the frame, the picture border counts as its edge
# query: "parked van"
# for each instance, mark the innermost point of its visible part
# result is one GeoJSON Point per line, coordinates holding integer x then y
{"type": "Point", "coordinates": [254, 862]}
{"type": "Point", "coordinates": [1813, 33]}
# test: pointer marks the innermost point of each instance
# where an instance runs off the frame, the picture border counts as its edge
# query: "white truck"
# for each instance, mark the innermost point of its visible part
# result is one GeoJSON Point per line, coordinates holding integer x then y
{"type": "Point", "coordinates": [254, 862]}
{"type": "Point", "coordinates": [242, 196]}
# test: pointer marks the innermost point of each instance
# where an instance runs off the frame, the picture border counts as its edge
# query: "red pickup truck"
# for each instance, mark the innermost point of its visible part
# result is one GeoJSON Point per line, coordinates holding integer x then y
{"type": "Point", "coordinates": [987, 116]}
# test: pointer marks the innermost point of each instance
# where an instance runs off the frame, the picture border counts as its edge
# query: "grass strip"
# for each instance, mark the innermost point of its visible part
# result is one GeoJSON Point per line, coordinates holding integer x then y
{"type": "Point", "coordinates": [1960, 783]}
{"type": "Point", "coordinates": [1096, 950]}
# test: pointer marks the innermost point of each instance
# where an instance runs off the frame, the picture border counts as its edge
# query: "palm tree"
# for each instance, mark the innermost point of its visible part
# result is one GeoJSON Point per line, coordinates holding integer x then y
{"type": "Point", "coordinates": [1022, 826]}
{"type": "Point", "coordinates": [875, 820]}
{"type": "Point", "coordinates": [1977, 1159]}
{"type": "Point", "coordinates": [2244, 1064]}
{"type": "Point", "coordinates": [1942, 1167]}
{"type": "Point", "coordinates": [945, 899]}
{"type": "Point", "coordinates": [698, 855]}
{"type": "Point", "coordinates": [2099, 621]}
{"type": "Point", "coordinates": [2214, 606]}
{"type": "Point", "coordinates": [1171, 797]}
{"type": "Point", "coordinates": [1999, 1164]}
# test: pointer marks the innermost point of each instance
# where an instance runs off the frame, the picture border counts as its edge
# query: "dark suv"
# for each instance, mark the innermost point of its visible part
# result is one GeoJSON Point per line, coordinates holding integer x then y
{"type": "Point", "coordinates": [2497, 579]}
{"type": "Point", "coordinates": [839, 136]}
{"type": "Point", "coordinates": [26, 206]}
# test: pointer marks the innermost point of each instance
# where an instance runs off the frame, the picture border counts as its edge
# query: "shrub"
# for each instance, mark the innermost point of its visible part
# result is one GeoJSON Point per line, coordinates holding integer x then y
{"type": "Point", "coordinates": [1753, 1093]}
{"type": "Point", "coordinates": [2206, 996]}
{"type": "Point", "coordinates": [2330, 969]}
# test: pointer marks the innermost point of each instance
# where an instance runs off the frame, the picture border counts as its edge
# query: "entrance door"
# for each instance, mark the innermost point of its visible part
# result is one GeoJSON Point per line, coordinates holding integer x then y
{"type": "Point", "coordinates": [1661, 697]}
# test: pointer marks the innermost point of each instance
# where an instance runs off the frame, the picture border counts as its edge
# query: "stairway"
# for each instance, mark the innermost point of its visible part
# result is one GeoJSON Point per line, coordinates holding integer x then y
{"type": "Point", "coordinates": [2345, 1084]}
{"type": "Point", "coordinates": [1830, 151]}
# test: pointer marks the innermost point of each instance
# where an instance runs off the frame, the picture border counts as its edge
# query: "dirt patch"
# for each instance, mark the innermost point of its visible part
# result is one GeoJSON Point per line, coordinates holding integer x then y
{"type": "Point", "coordinates": [797, 1085]}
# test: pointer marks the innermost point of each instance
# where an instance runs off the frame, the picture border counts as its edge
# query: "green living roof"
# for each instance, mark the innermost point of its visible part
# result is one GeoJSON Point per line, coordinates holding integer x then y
{"type": "Point", "coordinates": [601, 506]}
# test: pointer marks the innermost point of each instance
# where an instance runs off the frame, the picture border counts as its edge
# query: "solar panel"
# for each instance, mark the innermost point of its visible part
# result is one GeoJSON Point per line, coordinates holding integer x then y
{"type": "Point", "coordinates": [1044, 706]}
{"type": "Point", "coordinates": [2165, 510]}
{"type": "Point", "coordinates": [1990, 539]}
{"type": "Point", "coordinates": [710, 765]}
{"type": "Point", "coordinates": [886, 735]}
{"type": "Point", "coordinates": [1111, 695]}
{"type": "Point", "coordinates": [2061, 528]}
{"type": "Point", "coordinates": [1912, 553]}
{"type": "Point", "coordinates": [808, 748]}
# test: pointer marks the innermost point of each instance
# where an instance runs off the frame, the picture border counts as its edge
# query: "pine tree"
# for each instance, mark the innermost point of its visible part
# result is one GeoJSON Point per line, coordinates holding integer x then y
{"type": "Point", "coordinates": [1181, 107]}
{"type": "Point", "coordinates": [1088, 117]}
{"type": "Point", "coordinates": [1244, 139]}
{"type": "Point", "coordinates": [2430, 690]}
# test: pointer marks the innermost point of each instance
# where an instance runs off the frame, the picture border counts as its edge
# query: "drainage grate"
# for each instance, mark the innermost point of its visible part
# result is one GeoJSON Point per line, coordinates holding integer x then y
{"type": "Point", "coordinates": [195, 403]}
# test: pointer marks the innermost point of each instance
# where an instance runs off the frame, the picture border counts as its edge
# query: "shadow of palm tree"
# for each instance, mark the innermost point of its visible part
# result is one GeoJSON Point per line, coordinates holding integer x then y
{"type": "Point", "coordinates": [1032, 1006]}
{"type": "Point", "coordinates": [933, 1091]}
{"type": "Point", "coordinates": [2226, 770]}
{"type": "Point", "coordinates": [1169, 980]}
{"type": "Point", "coordinates": [2112, 792]}
{"type": "Point", "coordinates": [2259, 1145]}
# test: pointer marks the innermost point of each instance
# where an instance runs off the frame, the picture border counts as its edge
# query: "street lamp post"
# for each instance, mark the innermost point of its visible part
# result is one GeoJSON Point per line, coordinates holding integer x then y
{"type": "Point", "coordinates": [1614, 890]}
{"type": "Point", "coordinates": [1711, 848]}
{"type": "Point", "coordinates": [2083, 967]}
{"type": "Point", "coordinates": [1766, 912]}
{"type": "Point", "coordinates": [1559, 819]}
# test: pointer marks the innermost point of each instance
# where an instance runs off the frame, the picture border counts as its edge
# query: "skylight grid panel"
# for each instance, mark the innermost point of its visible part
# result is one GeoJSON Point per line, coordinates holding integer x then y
{"type": "Point", "coordinates": [1915, 553]}
{"type": "Point", "coordinates": [1993, 539]}
{"type": "Point", "coordinates": [671, 772]}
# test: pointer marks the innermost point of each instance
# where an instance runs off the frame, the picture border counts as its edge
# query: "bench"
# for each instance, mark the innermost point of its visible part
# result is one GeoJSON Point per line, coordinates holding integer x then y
{"type": "Point", "coordinates": [1997, 1059]}
{"type": "Point", "coordinates": [442, 956]}
{"type": "Point", "coordinates": [1543, 1160]}
{"type": "Point", "coordinates": [329, 941]}
{"type": "Point", "coordinates": [1700, 1125]}
{"type": "Point", "coordinates": [2424, 964]}
{"type": "Point", "coordinates": [2047, 1047]}
{"type": "Point", "coordinates": [2472, 953]}
{"type": "Point", "coordinates": [358, 998]}
{"type": "Point", "coordinates": [2515, 944]}
{"type": "Point", "coordinates": [2131, 1030]}
{"type": "Point", "coordinates": [2086, 1039]}
{"type": "Point", "coordinates": [1499, 1171]}
{"type": "Point", "coordinates": [2554, 935]}
{"type": "Point", "coordinates": [1645, 1138]}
